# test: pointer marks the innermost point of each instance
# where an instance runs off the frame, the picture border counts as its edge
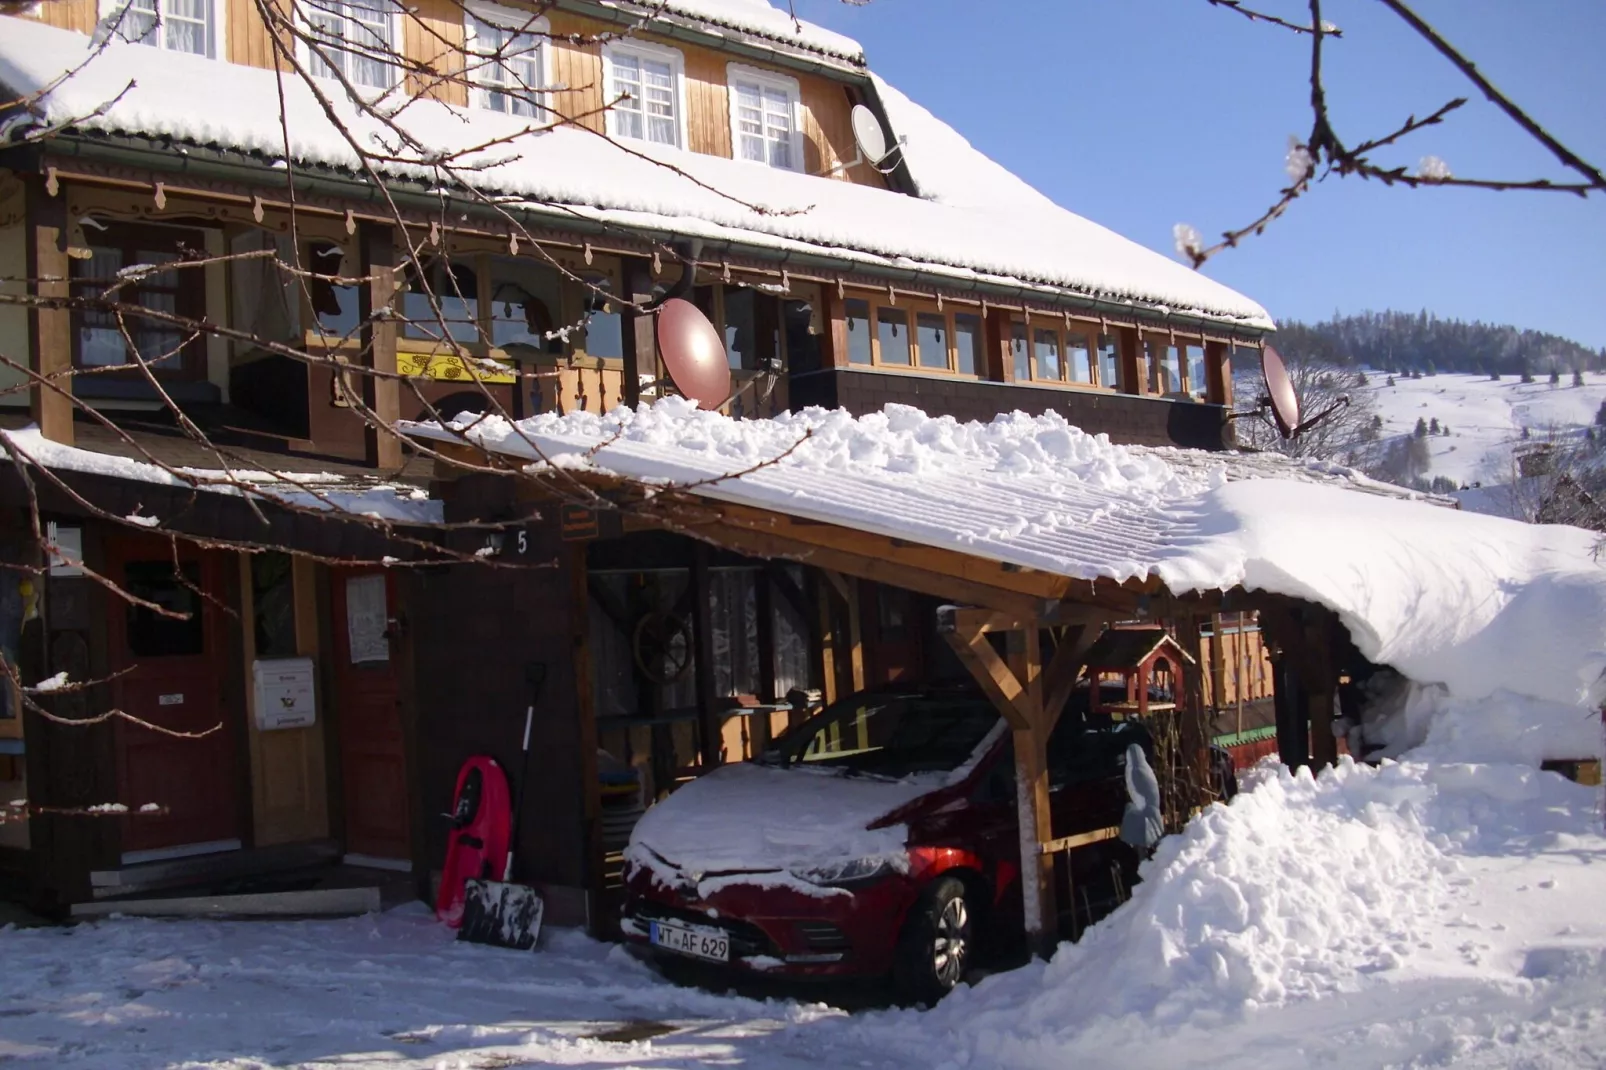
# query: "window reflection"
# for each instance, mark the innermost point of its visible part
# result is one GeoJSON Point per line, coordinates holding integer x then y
{"type": "Point", "coordinates": [892, 331]}
{"type": "Point", "coordinates": [967, 342]}
{"type": "Point", "coordinates": [1047, 351]}
{"type": "Point", "coordinates": [858, 317]}
{"type": "Point", "coordinates": [932, 339]}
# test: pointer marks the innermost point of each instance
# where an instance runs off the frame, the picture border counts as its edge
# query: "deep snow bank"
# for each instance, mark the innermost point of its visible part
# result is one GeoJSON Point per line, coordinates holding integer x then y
{"type": "Point", "coordinates": [1304, 889]}
{"type": "Point", "coordinates": [1479, 604]}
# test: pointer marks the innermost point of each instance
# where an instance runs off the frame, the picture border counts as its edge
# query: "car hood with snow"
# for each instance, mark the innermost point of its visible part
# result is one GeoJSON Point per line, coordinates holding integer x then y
{"type": "Point", "coordinates": [814, 819]}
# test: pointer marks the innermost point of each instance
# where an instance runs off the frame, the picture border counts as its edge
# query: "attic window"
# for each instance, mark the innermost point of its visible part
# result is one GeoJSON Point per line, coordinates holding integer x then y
{"type": "Point", "coordinates": [643, 88]}
{"type": "Point", "coordinates": [505, 58]}
{"type": "Point", "coordinates": [765, 126]}
{"type": "Point", "coordinates": [176, 25]}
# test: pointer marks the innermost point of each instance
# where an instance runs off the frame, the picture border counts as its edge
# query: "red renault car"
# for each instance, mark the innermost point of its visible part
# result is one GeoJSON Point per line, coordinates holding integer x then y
{"type": "Point", "coordinates": [879, 838]}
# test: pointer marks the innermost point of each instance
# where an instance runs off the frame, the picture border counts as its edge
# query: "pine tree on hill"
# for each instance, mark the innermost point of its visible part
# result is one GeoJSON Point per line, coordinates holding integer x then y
{"type": "Point", "coordinates": [1555, 376]}
{"type": "Point", "coordinates": [1433, 426]}
{"type": "Point", "coordinates": [1600, 415]}
{"type": "Point", "coordinates": [1578, 377]}
{"type": "Point", "coordinates": [1494, 376]}
{"type": "Point", "coordinates": [1421, 428]}
{"type": "Point", "coordinates": [1391, 380]}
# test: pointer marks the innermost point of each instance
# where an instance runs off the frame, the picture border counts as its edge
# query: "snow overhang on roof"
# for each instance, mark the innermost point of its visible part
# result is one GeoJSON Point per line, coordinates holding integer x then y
{"type": "Point", "coordinates": [1020, 247]}
{"type": "Point", "coordinates": [1477, 603]}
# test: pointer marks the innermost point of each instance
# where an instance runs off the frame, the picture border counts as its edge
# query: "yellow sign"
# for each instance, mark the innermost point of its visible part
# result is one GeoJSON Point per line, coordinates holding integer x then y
{"type": "Point", "coordinates": [448, 367]}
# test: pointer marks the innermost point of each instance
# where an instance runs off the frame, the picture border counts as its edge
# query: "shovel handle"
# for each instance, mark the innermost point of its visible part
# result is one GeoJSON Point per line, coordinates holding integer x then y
{"type": "Point", "coordinates": [518, 795]}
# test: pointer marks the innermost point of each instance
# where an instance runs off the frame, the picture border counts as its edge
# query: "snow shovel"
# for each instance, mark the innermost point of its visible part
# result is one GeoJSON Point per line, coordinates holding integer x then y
{"type": "Point", "coordinates": [501, 913]}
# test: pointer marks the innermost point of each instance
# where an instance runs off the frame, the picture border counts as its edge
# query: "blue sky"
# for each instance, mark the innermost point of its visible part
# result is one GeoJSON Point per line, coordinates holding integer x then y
{"type": "Point", "coordinates": [1143, 113]}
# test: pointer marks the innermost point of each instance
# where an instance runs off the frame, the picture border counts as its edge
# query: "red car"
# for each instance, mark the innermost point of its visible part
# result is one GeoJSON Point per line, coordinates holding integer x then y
{"type": "Point", "coordinates": [881, 837]}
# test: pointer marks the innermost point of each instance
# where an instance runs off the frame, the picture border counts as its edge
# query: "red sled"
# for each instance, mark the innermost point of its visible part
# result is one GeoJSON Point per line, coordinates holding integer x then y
{"type": "Point", "coordinates": [477, 846]}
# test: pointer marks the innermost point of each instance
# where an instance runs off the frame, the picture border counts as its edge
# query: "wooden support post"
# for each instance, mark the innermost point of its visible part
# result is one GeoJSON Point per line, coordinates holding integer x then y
{"type": "Point", "coordinates": [1218, 664]}
{"type": "Point", "coordinates": [49, 329]}
{"type": "Point", "coordinates": [764, 605]}
{"type": "Point", "coordinates": [1321, 686]}
{"type": "Point", "coordinates": [1134, 373]}
{"type": "Point", "coordinates": [1218, 373]}
{"type": "Point", "coordinates": [1031, 797]}
{"type": "Point", "coordinates": [381, 392]}
{"type": "Point", "coordinates": [827, 639]}
{"type": "Point", "coordinates": [640, 341]}
{"type": "Point", "coordinates": [703, 636]}
{"type": "Point", "coordinates": [1193, 736]}
{"type": "Point", "coordinates": [1017, 690]}
{"type": "Point", "coordinates": [855, 636]}
{"type": "Point", "coordinates": [998, 363]}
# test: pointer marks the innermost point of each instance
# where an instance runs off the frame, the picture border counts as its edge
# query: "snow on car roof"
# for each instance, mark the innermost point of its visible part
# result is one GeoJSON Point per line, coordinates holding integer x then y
{"type": "Point", "coordinates": [949, 239]}
{"type": "Point", "coordinates": [1480, 604]}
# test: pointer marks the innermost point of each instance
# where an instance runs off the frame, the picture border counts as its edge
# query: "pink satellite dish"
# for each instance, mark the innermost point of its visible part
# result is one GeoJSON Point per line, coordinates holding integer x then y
{"type": "Point", "coordinates": [1280, 390]}
{"type": "Point", "coordinates": [693, 354]}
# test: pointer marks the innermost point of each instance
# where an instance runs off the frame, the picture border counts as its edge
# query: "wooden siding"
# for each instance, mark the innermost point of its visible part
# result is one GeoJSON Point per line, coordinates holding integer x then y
{"type": "Point", "coordinates": [80, 15]}
{"type": "Point", "coordinates": [432, 33]}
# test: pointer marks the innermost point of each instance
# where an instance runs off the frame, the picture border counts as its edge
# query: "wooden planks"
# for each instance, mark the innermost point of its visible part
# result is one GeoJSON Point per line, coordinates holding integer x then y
{"type": "Point", "coordinates": [50, 329]}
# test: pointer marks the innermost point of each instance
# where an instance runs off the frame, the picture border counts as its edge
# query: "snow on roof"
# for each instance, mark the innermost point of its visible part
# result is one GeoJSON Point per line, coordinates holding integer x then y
{"type": "Point", "coordinates": [756, 18]}
{"type": "Point", "coordinates": [322, 491]}
{"type": "Point", "coordinates": [1477, 603]}
{"type": "Point", "coordinates": [572, 173]}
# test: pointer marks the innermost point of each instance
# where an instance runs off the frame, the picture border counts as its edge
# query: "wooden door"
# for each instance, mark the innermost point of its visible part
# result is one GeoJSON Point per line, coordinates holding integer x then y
{"type": "Point", "coordinates": [172, 678]}
{"type": "Point", "coordinates": [373, 758]}
{"type": "Point", "coordinates": [893, 625]}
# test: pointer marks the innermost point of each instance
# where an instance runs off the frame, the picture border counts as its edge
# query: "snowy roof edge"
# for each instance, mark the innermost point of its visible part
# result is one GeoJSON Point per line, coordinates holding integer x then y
{"type": "Point", "coordinates": [720, 20]}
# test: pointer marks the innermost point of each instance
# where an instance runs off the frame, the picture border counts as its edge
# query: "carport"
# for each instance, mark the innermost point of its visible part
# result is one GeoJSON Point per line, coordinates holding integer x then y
{"type": "Point", "coordinates": [1023, 633]}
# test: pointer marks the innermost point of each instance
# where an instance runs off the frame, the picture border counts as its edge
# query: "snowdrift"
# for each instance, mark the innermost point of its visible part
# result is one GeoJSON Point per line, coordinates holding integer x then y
{"type": "Point", "coordinates": [1312, 890]}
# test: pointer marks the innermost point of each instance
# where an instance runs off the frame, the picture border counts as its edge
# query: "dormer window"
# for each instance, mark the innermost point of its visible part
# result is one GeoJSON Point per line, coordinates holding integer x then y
{"type": "Point", "coordinates": [355, 39]}
{"type": "Point", "coordinates": [643, 85]}
{"type": "Point", "coordinates": [176, 25]}
{"type": "Point", "coordinates": [505, 58]}
{"type": "Point", "coordinates": [766, 122]}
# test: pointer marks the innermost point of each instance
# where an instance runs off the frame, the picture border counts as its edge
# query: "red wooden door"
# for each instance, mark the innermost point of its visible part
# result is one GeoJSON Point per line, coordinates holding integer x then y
{"type": "Point", "coordinates": [173, 679]}
{"type": "Point", "coordinates": [372, 753]}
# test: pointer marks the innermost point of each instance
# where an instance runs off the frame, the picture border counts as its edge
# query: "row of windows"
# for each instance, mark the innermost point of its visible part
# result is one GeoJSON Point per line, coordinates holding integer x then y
{"type": "Point", "coordinates": [507, 62]}
{"type": "Point", "coordinates": [933, 339]}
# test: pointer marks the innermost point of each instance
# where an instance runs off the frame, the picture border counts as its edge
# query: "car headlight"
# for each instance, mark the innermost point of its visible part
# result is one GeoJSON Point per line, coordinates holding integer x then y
{"type": "Point", "coordinates": [849, 871]}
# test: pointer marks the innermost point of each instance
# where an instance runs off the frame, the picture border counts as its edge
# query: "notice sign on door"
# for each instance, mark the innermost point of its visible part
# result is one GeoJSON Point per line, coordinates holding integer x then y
{"type": "Point", "coordinates": [285, 696]}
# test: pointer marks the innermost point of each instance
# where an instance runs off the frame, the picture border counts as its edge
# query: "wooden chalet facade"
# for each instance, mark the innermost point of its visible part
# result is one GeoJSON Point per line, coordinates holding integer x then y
{"type": "Point", "coordinates": [671, 642]}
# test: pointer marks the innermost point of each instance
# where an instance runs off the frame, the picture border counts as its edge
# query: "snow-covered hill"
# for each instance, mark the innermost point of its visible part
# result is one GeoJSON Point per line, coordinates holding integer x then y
{"type": "Point", "coordinates": [1485, 417]}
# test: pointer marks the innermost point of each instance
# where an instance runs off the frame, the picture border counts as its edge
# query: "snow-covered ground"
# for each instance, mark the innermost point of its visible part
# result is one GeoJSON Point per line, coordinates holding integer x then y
{"type": "Point", "coordinates": [1431, 912]}
{"type": "Point", "coordinates": [1486, 417]}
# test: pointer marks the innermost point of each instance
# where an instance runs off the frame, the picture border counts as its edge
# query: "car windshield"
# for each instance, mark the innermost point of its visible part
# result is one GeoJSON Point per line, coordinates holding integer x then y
{"type": "Point", "coordinates": [891, 734]}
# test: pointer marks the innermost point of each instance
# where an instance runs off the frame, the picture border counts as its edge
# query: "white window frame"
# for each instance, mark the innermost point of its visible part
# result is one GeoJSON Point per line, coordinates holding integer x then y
{"type": "Point", "coordinates": [393, 10]}
{"type": "Point", "coordinates": [216, 25]}
{"type": "Point", "coordinates": [736, 72]}
{"type": "Point", "coordinates": [642, 50]}
{"type": "Point", "coordinates": [508, 19]}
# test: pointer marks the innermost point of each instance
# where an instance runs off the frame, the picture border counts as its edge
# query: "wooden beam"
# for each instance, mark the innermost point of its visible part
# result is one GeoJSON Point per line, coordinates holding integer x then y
{"type": "Point", "coordinates": [826, 638]}
{"type": "Point", "coordinates": [640, 341]}
{"type": "Point", "coordinates": [995, 678]}
{"type": "Point", "coordinates": [1218, 373]}
{"type": "Point", "coordinates": [855, 637]}
{"type": "Point", "coordinates": [1081, 839]}
{"type": "Point", "coordinates": [1032, 797]}
{"type": "Point", "coordinates": [968, 620]}
{"type": "Point", "coordinates": [897, 551]}
{"type": "Point", "coordinates": [49, 329]}
{"type": "Point", "coordinates": [703, 637]}
{"type": "Point", "coordinates": [381, 393]}
{"type": "Point", "coordinates": [838, 582]}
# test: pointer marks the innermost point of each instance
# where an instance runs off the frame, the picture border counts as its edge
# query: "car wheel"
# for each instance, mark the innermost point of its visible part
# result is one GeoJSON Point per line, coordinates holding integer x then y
{"type": "Point", "coordinates": [937, 943]}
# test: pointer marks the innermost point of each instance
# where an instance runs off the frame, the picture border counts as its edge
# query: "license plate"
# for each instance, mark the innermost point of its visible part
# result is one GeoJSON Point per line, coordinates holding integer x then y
{"type": "Point", "coordinates": [710, 944]}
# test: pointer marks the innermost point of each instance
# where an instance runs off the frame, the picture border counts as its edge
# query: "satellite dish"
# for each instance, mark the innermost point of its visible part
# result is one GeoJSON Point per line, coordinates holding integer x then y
{"type": "Point", "coordinates": [1280, 392]}
{"type": "Point", "coordinates": [693, 353]}
{"type": "Point", "coordinates": [868, 135]}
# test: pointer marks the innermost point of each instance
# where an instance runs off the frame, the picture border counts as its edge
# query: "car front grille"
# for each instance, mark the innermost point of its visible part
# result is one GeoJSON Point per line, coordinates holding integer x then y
{"type": "Point", "coordinates": [747, 940]}
{"type": "Point", "coordinates": [822, 936]}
